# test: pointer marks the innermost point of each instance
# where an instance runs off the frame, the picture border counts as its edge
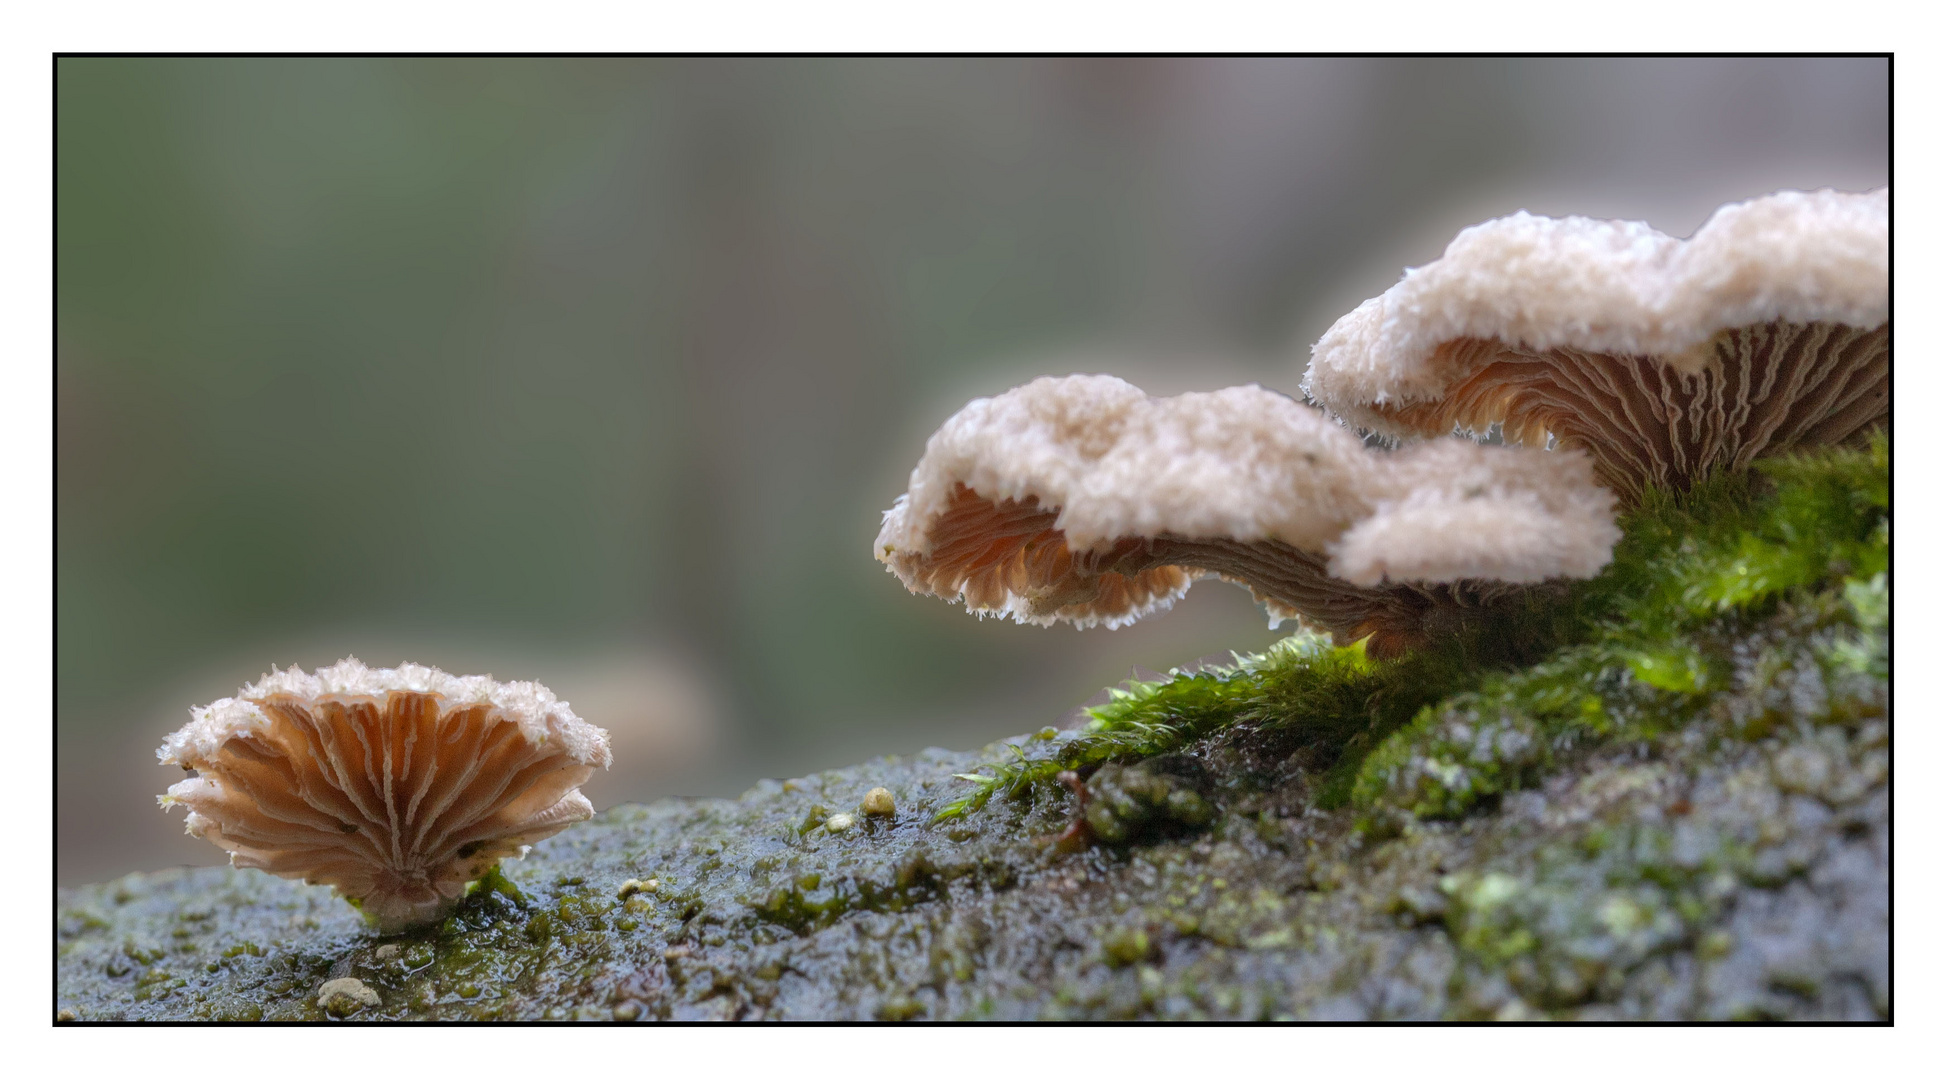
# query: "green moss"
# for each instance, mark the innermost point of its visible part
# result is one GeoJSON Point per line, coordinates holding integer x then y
{"type": "Point", "coordinates": [1303, 687]}
{"type": "Point", "coordinates": [1135, 801]}
{"type": "Point", "coordinates": [493, 881]}
{"type": "Point", "coordinates": [1125, 945]}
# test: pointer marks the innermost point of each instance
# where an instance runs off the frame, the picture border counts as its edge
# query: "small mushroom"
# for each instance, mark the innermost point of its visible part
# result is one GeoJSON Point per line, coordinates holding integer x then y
{"type": "Point", "coordinates": [636, 885]}
{"type": "Point", "coordinates": [877, 803]}
{"type": "Point", "coordinates": [343, 997]}
{"type": "Point", "coordinates": [397, 786]}
{"type": "Point", "coordinates": [1083, 499]}
{"type": "Point", "coordinates": [1663, 358]}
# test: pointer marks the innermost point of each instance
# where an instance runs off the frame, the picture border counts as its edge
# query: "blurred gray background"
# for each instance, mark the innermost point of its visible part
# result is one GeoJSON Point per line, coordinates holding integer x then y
{"type": "Point", "coordinates": [600, 372]}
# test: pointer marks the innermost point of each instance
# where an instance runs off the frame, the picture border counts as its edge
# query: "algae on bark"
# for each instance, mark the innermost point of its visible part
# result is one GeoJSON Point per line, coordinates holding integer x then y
{"type": "Point", "coordinates": [1662, 794]}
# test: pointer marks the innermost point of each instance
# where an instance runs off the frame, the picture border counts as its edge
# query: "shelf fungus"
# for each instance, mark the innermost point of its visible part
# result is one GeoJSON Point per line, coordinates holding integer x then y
{"type": "Point", "coordinates": [397, 786]}
{"type": "Point", "coordinates": [1082, 499]}
{"type": "Point", "coordinates": [1662, 358]}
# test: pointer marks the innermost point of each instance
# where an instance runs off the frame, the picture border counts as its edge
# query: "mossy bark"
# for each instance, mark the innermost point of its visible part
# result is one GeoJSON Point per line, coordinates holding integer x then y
{"type": "Point", "coordinates": [1678, 813]}
{"type": "Point", "coordinates": [1702, 874]}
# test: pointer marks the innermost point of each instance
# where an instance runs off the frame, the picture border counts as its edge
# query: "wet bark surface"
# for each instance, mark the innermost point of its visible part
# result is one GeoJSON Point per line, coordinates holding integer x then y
{"type": "Point", "coordinates": [1734, 867]}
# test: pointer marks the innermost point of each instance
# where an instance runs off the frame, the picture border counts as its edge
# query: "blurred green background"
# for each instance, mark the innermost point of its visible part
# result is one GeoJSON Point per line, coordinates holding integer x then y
{"type": "Point", "coordinates": [600, 371]}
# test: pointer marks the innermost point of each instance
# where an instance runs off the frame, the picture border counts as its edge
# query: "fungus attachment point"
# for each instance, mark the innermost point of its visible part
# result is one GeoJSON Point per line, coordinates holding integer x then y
{"type": "Point", "coordinates": [1083, 499]}
{"type": "Point", "coordinates": [397, 786]}
{"type": "Point", "coordinates": [1662, 358]}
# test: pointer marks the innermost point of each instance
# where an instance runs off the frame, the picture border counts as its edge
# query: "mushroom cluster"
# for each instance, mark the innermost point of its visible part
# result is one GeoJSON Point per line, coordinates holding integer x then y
{"type": "Point", "coordinates": [1620, 356]}
{"type": "Point", "coordinates": [397, 786]}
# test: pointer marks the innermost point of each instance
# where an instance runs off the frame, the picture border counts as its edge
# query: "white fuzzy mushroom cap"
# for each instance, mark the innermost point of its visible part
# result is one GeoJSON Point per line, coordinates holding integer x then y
{"type": "Point", "coordinates": [1611, 287]}
{"type": "Point", "coordinates": [398, 786]}
{"type": "Point", "coordinates": [541, 716]}
{"type": "Point", "coordinates": [1243, 462]}
{"type": "Point", "coordinates": [1461, 512]}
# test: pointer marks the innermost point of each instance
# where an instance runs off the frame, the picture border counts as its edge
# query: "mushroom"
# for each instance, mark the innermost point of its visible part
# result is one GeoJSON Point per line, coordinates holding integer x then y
{"type": "Point", "coordinates": [1662, 358]}
{"type": "Point", "coordinates": [397, 786]}
{"type": "Point", "coordinates": [1083, 499]}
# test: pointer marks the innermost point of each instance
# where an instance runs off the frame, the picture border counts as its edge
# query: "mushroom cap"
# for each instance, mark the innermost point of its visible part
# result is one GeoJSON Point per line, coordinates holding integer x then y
{"type": "Point", "coordinates": [398, 786]}
{"type": "Point", "coordinates": [1457, 511]}
{"type": "Point", "coordinates": [1610, 287]}
{"type": "Point", "coordinates": [1121, 463]}
{"type": "Point", "coordinates": [1663, 359]}
{"type": "Point", "coordinates": [1083, 499]}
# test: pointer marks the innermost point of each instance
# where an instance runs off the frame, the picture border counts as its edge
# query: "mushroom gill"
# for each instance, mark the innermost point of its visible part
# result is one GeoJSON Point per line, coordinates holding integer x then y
{"type": "Point", "coordinates": [1084, 500]}
{"type": "Point", "coordinates": [1664, 359]}
{"type": "Point", "coordinates": [1759, 391]}
{"type": "Point", "coordinates": [397, 786]}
